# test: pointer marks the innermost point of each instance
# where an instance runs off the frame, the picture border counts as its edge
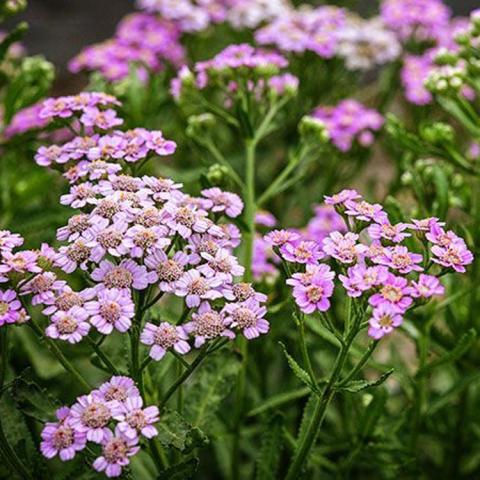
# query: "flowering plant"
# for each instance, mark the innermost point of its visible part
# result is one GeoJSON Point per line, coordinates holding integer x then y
{"type": "Point", "coordinates": [169, 305]}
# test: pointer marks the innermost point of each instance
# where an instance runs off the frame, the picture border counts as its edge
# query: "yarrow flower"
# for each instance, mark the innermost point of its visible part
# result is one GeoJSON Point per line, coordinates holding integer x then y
{"type": "Point", "coordinates": [348, 122]}
{"type": "Point", "coordinates": [164, 337]}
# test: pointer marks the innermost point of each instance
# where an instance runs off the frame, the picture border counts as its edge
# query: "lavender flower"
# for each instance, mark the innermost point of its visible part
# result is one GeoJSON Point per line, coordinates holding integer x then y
{"type": "Point", "coordinates": [69, 326]}
{"type": "Point", "coordinates": [134, 420]}
{"type": "Point", "coordinates": [384, 320]}
{"type": "Point", "coordinates": [164, 337]}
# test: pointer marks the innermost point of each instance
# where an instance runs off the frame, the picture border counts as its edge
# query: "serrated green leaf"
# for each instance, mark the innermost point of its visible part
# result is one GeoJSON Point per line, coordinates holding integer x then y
{"type": "Point", "coordinates": [355, 386]}
{"type": "Point", "coordinates": [299, 372]}
{"type": "Point", "coordinates": [462, 347]}
{"type": "Point", "coordinates": [180, 471]}
{"type": "Point", "coordinates": [270, 449]}
{"type": "Point", "coordinates": [32, 400]}
{"type": "Point", "coordinates": [210, 385]}
{"type": "Point", "coordinates": [173, 430]}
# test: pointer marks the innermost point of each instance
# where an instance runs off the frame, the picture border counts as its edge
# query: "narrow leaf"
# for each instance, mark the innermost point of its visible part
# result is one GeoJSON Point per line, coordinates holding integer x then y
{"type": "Point", "coordinates": [358, 385]}
{"type": "Point", "coordinates": [299, 372]}
{"type": "Point", "coordinates": [270, 450]}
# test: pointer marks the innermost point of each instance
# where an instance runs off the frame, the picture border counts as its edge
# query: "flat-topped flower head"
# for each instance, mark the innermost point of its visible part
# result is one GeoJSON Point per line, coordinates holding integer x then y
{"type": "Point", "coordinates": [427, 286]}
{"type": "Point", "coordinates": [312, 290]}
{"type": "Point", "coordinates": [395, 292]}
{"type": "Point", "coordinates": [60, 438]}
{"type": "Point", "coordinates": [118, 388]}
{"type": "Point", "coordinates": [10, 307]}
{"type": "Point", "coordinates": [383, 321]}
{"type": "Point", "coordinates": [247, 316]}
{"type": "Point", "coordinates": [70, 326]}
{"type": "Point", "coordinates": [117, 449]}
{"type": "Point", "coordinates": [134, 420]}
{"type": "Point", "coordinates": [207, 324]}
{"type": "Point", "coordinates": [113, 309]}
{"type": "Point", "coordinates": [91, 415]}
{"type": "Point", "coordinates": [164, 337]}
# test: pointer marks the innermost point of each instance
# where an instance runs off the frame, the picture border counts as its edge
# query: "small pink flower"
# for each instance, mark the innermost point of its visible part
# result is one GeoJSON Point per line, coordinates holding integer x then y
{"type": "Point", "coordinates": [361, 278]}
{"type": "Point", "coordinates": [342, 197]}
{"type": "Point", "coordinates": [113, 309]}
{"type": "Point", "coordinates": [164, 337]}
{"type": "Point", "coordinates": [426, 224]}
{"type": "Point", "coordinates": [167, 270]}
{"type": "Point", "coordinates": [118, 388]}
{"type": "Point", "coordinates": [384, 320]}
{"type": "Point", "coordinates": [247, 316]}
{"type": "Point", "coordinates": [141, 240]}
{"type": "Point", "coordinates": [116, 450]}
{"type": "Point", "coordinates": [313, 289]}
{"type": "Point", "coordinates": [220, 201]}
{"type": "Point", "coordinates": [80, 195]}
{"type": "Point", "coordinates": [134, 420]}
{"type": "Point", "coordinates": [10, 307]}
{"type": "Point", "coordinates": [59, 438]}
{"type": "Point", "coordinates": [207, 323]}
{"type": "Point", "coordinates": [455, 256]}
{"type": "Point", "coordinates": [9, 240]}
{"type": "Point", "coordinates": [343, 248]}
{"type": "Point", "coordinates": [195, 288]}
{"type": "Point", "coordinates": [103, 119]}
{"type": "Point", "coordinates": [90, 415]}
{"type": "Point", "coordinates": [127, 274]}
{"type": "Point", "coordinates": [43, 287]}
{"type": "Point", "coordinates": [70, 326]}
{"type": "Point", "coordinates": [394, 291]}
{"type": "Point", "coordinates": [365, 211]}
{"type": "Point", "coordinates": [223, 263]}
{"type": "Point", "coordinates": [427, 286]}
{"type": "Point", "coordinates": [278, 238]}
{"type": "Point", "coordinates": [302, 251]}
{"type": "Point", "coordinates": [385, 230]}
{"type": "Point", "coordinates": [400, 259]}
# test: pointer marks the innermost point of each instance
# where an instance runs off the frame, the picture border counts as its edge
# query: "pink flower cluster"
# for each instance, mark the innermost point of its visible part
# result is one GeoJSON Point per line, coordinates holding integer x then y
{"type": "Point", "coordinates": [142, 39]}
{"type": "Point", "coordinates": [26, 120]}
{"type": "Point", "coordinates": [95, 155]}
{"type": "Point", "coordinates": [371, 259]}
{"type": "Point", "coordinates": [112, 416]}
{"type": "Point", "coordinates": [145, 234]}
{"type": "Point", "coordinates": [259, 68]}
{"type": "Point", "coordinates": [421, 19]}
{"type": "Point", "coordinates": [349, 121]}
{"type": "Point", "coordinates": [306, 29]}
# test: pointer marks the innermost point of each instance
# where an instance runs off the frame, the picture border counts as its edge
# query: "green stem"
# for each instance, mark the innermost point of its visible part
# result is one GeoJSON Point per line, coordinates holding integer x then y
{"type": "Point", "coordinates": [321, 405]}
{"type": "Point", "coordinates": [304, 349]}
{"type": "Point", "coordinates": [363, 360]}
{"type": "Point", "coordinates": [103, 357]}
{"type": "Point", "coordinates": [60, 356]}
{"type": "Point", "coordinates": [4, 353]}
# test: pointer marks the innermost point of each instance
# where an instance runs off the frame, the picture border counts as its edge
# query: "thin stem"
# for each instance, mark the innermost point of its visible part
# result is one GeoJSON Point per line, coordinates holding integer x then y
{"type": "Point", "coordinates": [322, 403]}
{"type": "Point", "coordinates": [4, 353]}
{"type": "Point", "coordinates": [60, 356]}
{"type": "Point", "coordinates": [106, 361]}
{"type": "Point", "coordinates": [304, 349]}
{"type": "Point", "coordinates": [153, 301]}
{"type": "Point", "coordinates": [363, 360]}
{"type": "Point", "coordinates": [217, 155]}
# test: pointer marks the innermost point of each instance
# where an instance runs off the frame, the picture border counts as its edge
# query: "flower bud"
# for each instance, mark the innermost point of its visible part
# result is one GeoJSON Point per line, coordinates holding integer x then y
{"type": "Point", "coordinates": [310, 126]}
{"type": "Point", "coordinates": [216, 174]}
{"type": "Point", "coordinates": [406, 178]}
{"type": "Point", "coordinates": [438, 133]}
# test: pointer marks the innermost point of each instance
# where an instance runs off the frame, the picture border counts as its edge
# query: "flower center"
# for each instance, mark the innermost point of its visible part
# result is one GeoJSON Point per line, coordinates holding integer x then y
{"type": "Point", "coordinates": [126, 183]}
{"type": "Point", "coordinates": [184, 216]}
{"type": "Point", "coordinates": [118, 277]}
{"type": "Point", "coordinates": [96, 415]}
{"type": "Point", "coordinates": [110, 238]}
{"type": "Point", "coordinates": [63, 437]}
{"type": "Point", "coordinates": [115, 393]}
{"type": "Point", "coordinates": [110, 311]}
{"type": "Point", "coordinates": [78, 252]}
{"type": "Point", "coordinates": [65, 301]}
{"type": "Point", "coordinates": [137, 419]}
{"type": "Point", "coordinates": [385, 321]}
{"type": "Point", "coordinates": [107, 209]}
{"type": "Point", "coordinates": [145, 239]}
{"type": "Point", "coordinates": [208, 246]}
{"type": "Point", "coordinates": [401, 260]}
{"type": "Point", "coordinates": [392, 293]}
{"type": "Point", "coordinates": [244, 317]}
{"type": "Point", "coordinates": [78, 223]}
{"type": "Point", "coordinates": [169, 271]}
{"type": "Point", "coordinates": [166, 336]}
{"type": "Point", "coordinates": [314, 293]}
{"type": "Point", "coordinates": [66, 324]}
{"type": "Point", "coordinates": [41, 283]}
{"type": "Point", "coordinates": [148, 217]}
{"type": "Point", "coordinates": [198, 287]}
{"type": "Point", "coordinates": [243, 291]}
{"type": "Point", "coordinates": [4, 307]}
{"type": "Point", "coordinates": [115, 450]}
{"type": "Point", "coordinates": [451, 256]}
{"type": "Point", "coordinates": [209, 324]}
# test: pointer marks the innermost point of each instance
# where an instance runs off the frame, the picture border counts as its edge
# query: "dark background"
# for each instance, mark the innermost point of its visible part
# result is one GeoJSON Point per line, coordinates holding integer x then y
{"type": "Point", "coordinates": [60, 28]}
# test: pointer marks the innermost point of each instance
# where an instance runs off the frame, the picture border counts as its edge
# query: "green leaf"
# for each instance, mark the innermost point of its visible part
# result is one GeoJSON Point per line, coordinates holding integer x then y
{"type": "Point", "coordinates": [32, 400]}
{"type": "Point", "coordinates": [462, 347]}
{"type": "Point", "coordinates": [210, 385]}
{"type": "Point", "coordinates": [355, 386]}
{"type": "Point", "coordinates": [299, 372]}
{"type": "Point", "coordinates": [180, 471]}
{"type": "Point", "coordinates": [270, 449]}
{"type": "Point", "coordinates": [173, 430]}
